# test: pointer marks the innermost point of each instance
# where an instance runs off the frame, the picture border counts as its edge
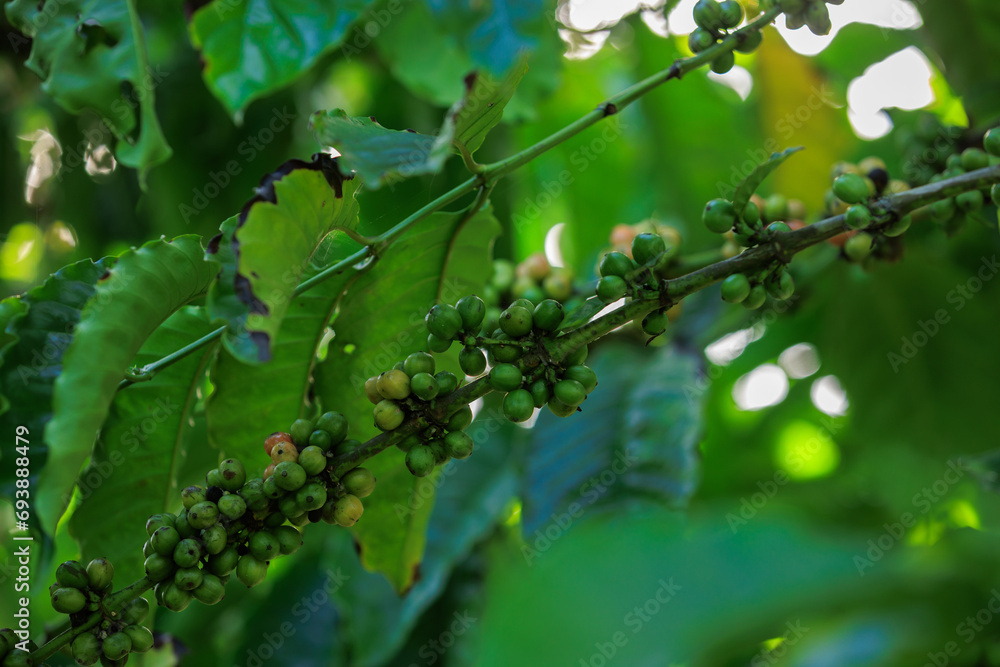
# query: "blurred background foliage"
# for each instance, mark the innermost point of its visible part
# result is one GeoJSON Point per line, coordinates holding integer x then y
{"type": "Point", "coordinates": [799, 497]}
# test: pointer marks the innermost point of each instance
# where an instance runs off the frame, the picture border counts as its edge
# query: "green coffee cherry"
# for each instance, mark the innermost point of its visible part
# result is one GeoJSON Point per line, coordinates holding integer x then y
{"type": "Point", "coordinates": [72, 575]}
{"type": "Point", "coordinates": [472, 310]}
{"type": "Point", "coordinates": [569, 392]}
{"type": "Point", "coordinates": [394, 385]}
{"type": "Point", "coordinates": [250, 571]}
{"type": "Point", "coordinates": [653, 324]}
{"type": "Point", "coordinates": [135, 611]}
{"type": "Point", "coordinates": [285, 451]}
{"type": "Point", "coordinates": [548, 315]}
{"type": "Point", "coordinates": [203, 515]}
{"type": "Point", "coordinates": [560, 409]}
{"type": "Point", "coordinates": [86, 649]}
{"type": "Point", "coordinates": [289, 476]}
{"type": "Point", "coordinates": [995, 193]}
{"type": "Point", "coordinates": [850, 188]}
{"type": "Point", "coordinates": [582, 374]}
{"type": "Point", "coordinates": [321, 440]}
{"type": "Point", "coordinates": [646, 248]}
{"type": "Point", "coordinates": [756, 298]}
{"type": "Point", "coordinates": [944, 210]}
{"type": "Point", "coordinates": [991, 142]}
{"type": "Point", "coordinates": [359, 482]}
{"type": "Point", "coordinates": [817, 17]}
{"type": "Point", "coordinates": [187, 553]}
{"type": "Point", "coordinates": [335, 424]}
{"type": "Point", "coordinates": [898, 227]}
{"type": "Point", "coordinates": [444, 321]}
{"type": "Point", "coordinates": [312, 459]}
{"type": "Point", "coordinates": [436, 344]}
{"type": "Point", "coordinates": [424, 386]}
{"type": "Point", "coordinates": [751, 214]}
{"type": "Point", "coordinates": [187, 578]}
{"type": "Point", "coordinates": [472, 360]}
{"type": "Point", "coordinates": [438, 449]}
{"type": "Point", "coordinates": [505, 377]}
{"type": "Point", "coordinates": [973, 159]}
{"type": "Point", "coordinates": [407, 444]}
{"type": "Point", "coordinates": [778, 228]}
{"type": "Point", "coordinates": [116, 646]}
{"type": "Point", "coordinates": [224, 562]}
{"type": "Point", "coordinates": [388, 415]}
{"type": "Point", "coordinates": [505, 353]}
{"type": "Point", "coordinates": [420, 460]}
{"type": "Point", "coordinates": [858, 247]}
{"type": "Point", "coordinates": [577, 356]}
{"type": "Point", "coordinates": [159, 567]}
{"type": "Point", "coordinates": [782, 287]}
{"type": "Point", "coordinates": [700, 39]}
{"type": "Point", "coordinates": [214, 538]}
{"type": "Point", "coordinates": [213, 478]}
{"type": "Point", "coordinates": [751, 41]}
{"type": "Point", "coordinates": [300, 431]}
{"type": "Point", "coordinates": [192, 495]}
{"type": "Point", "coordinates": [289, 507]}
{"type": "Point", "coordinates": [183, 526]}
{"type": "Point", "coordinates": [141, 638]}
{"type": "Point", "coordinates": [289, 539]}
{"type": "Point", "coordinates": [233, 506]}
{"type": "Point", "coordinates": [211, 591]}
{"type": "Point", "coordinates": [458, 445]}
{"type": "Point", "coordinates": [271, 489]}
{"type": "Point", "coordinates": [518, 405]}
{"type": "Point", "coordinates": [234, 475]}
{"type": "Point", "coordinates": [858, 217]}
{"type": "Point", "coordinates": [460, 419]}
{"type": "Point", "coordinates": [165, 540]}
{"type": "Point", "coordinates": [68, 600]}
{"type": "Point", "coordinates": [418, 362]}
{"type": "Point", "coordinates": [971, 201]}
{"type": "Point", "coordinates": [724, 62]}
{"type": "Point", "coordinates": [348, 510]}
{"type": "Point", "coordinates": [719, 216]}
{"type": "Point", "coordinates": [616, 264]}
{"type": "Point", "coordinates": [264, 545]}
{"type": "Point", "coordinates": [735, 288]}
{"type": "Point", "coordinates": [516, 321]}
{"type": "Point", "coordinates": [540, 393]}
{"type": "Point", "coordinates": [611, 288]}
{"type": "Point", "coordinates": [447, 382]}
{"type": "Point", "coordinates": [708, 15]}
{"type": "Point", "coordinates": [311, 496]}
{"type": "Point", "coordinates": [732, 13]}
{"type": "Point", "coordinates": [100, 572]}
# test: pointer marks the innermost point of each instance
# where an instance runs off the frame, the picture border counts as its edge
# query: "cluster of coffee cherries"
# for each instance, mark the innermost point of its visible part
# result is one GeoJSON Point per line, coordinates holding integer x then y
{"type": "Point", "coordinates": [760, 221]}
{"type": "Point", "coordinates": [714, 20]}
{"type": "Point", "coordinates": [638, 274]}
{"type": "Point", "coordinates": [533, 279]}
{"type": "Point", "coordinates": [10, 654]}
{"type": "Point", "coordinates": [952, 213]}
{"type": "Point", "coordinates": [411, 389]}
{"type": "Point", "coordinates": [811, 13]}
{"type": "Point", "coordinates": [236, 524]}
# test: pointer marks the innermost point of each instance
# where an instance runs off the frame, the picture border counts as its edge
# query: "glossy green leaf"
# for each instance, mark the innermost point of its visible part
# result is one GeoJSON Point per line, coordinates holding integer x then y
{"type": "Point", "coordinates": [471, 496]}
{"type": "Point", "coordinates": [265, 251]}
{"type": "Point", "coordinates": [379, 154]}
{"type": "Point", "coordinates": [749, 185]}
{"type": "Point", "coordinates": [634, 442]}
{"type": "Point", "coordinates": [966, 34]}
{"type": "Point", "coordinates": [92, 55]}
{"type": "Point", "coordinates": [254, 47]}
{"type": "Point", "coordinates": [381, 320]}
{"type": "Point", "coordinates": [10, 308]}
{"type": "Point", "coordinates": [252, 400]}
{"type": "Point", "coordinates": [486, 97]}
{"type": "Point", "coordinates": [33, 361]}
{"type": "Point", "coordinates": [147, 437]}
{"type": "Point", "coordinates": [132, 300]}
